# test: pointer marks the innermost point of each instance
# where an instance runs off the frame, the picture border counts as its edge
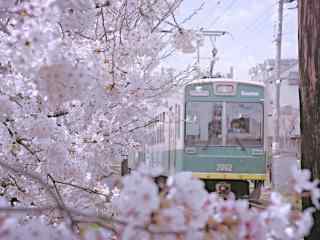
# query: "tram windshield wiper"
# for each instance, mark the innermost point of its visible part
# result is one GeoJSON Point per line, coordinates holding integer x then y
{"type": "Point", "coordinates": [205, 147]}
{"type": "Point", "coordinates": [240, 144]}
{"type": "Point", "coordinates": [238, 141]}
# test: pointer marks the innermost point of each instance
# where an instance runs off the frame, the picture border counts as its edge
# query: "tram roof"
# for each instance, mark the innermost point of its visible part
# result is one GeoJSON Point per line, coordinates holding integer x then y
{"type": "Point", "coordinates": [213, 80]}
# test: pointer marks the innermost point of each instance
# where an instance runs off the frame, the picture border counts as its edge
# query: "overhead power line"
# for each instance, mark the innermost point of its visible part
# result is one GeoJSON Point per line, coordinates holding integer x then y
{"type": "Point", "coordinates": [260, 18]}
{"type": "Point", "coordinates": [223, 13]}
{"type": "Point", "coordinates": [211, 11]}
{"type": "Point", "coordinates": [257, 24]}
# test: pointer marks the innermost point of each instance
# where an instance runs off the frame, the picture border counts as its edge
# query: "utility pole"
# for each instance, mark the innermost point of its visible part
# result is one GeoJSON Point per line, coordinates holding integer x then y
{"type": "Point", "coordinates": [276, 143]}
{"type": "Point", "coordinates": [198, 57]}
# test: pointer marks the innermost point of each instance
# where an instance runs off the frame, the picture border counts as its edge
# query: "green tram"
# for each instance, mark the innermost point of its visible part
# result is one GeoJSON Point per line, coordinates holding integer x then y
{"type": "Point", "coordinates": [215, 129]}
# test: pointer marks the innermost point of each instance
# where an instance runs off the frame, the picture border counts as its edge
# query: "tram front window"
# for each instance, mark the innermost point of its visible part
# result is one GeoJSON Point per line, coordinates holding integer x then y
{"type": "Point", "coordinates": [208, 125]}
{"type": "Point", "coordinates": [244, 124]}
{"type": "Point", "coordinates": [203, 124]}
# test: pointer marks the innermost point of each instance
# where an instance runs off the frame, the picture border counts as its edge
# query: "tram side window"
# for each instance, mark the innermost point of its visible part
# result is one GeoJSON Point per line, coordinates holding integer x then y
{"type": "Point", "coordinates": [149, 135]}
{"type": "Point", "coordinates": [158, 129]}
{"type": "Point", "coordinates": [154, 131]}
{"type": "Point", "coordinates": [177, 120]}
{"type": "Point", "coordinates": [162, 127]}
{"type": "Point", "coordinates": [151, 132]}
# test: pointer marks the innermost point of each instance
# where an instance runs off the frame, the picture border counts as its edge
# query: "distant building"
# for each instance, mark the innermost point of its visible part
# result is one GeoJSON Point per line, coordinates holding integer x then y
{"type": "Point", "coordinates": [289, 100]}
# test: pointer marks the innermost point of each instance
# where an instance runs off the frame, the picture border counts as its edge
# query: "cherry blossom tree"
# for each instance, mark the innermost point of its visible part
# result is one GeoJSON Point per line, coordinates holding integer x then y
{"type": "Point", "coordinates": [78, 81]}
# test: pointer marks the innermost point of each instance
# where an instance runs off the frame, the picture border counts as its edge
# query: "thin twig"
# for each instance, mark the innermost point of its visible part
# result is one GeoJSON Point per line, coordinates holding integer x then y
{"type": "Point", "coordinates": [27, 209]}
{"type": "Point", "coordinates": [8, 129]}
{"type": "Point", "coordinates": [88, 190]}
{"type": "Point", "coordinates": [57, 114]}
{"type": "Point", "coordinates": [36, 178]}
{"type": "Point", "coordinates": [174, 17]}
{"type": "Point", "coordinates": [170, 10]}
{"type": "Point", "coordinates": [61, 29]}
{"type": "Point", "coordinates": [73, 223]}
{"type": "Point", "coordinates": [16, 184]}
{"type": "Point", "coordinates": [21, 142]}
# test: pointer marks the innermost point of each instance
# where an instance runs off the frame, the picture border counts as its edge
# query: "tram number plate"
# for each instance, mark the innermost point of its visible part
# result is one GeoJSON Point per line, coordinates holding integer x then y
{"type": "Point", "coordinates": [224, 167]}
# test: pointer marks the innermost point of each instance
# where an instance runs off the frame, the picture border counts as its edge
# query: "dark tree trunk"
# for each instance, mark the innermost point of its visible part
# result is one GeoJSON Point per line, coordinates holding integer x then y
{"type": "Point", "coordinates": [309, 63]}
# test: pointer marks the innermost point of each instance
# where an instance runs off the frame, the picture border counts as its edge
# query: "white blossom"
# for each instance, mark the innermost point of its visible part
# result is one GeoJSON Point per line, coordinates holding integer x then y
{"type": "Point", "coordinates": [301, 179]}
{"type": "Point", "coordinates": [185, 40]}
{"type": "Point", "coordinates": [138, 199]}
{"type": "Point", "coordinates": [132, 233]}
{"type": "Point", "coordinates": [304, 224]}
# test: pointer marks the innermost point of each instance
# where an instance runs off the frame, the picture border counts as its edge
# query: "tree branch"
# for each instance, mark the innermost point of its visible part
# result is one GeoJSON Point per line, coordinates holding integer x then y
{"type": "Point", "coordinates": [37, 179]}
{"type": "Point", "coordinates": [57, 114]}
{"type": "Point", "coordinates": [88, 190]}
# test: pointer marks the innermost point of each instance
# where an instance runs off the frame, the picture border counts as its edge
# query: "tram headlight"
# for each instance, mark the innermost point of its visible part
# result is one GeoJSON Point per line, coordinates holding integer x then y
{"type": "Point", "coordinates": [223, 188]}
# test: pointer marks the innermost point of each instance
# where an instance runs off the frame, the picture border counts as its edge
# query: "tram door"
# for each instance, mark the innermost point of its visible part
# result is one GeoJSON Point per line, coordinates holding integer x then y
{"type": "Point", "coordinates": [172, 141]}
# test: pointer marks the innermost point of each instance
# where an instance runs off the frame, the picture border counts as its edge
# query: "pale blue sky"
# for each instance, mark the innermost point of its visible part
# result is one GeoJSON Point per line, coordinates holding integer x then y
{"type": "Point", "coordinates": [252, 26]}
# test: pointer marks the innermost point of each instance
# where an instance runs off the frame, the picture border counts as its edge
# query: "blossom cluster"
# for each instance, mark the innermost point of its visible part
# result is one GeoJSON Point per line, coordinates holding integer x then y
{"type": "Point", "coordinates": [78, 79]}
{"type": "Point", "coordinates": [187, 211]}
{"type": "Point", "coordinates": [181, 210]}
{"type": "Point", "coordinates": [186, 41]}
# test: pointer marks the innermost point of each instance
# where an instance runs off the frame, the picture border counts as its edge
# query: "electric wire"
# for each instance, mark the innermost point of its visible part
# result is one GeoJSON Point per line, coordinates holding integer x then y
{"type": "Point", "coordinates": [211, 11]}
{"type": "Point", "coordinates": [260, 18]}
{"type": "Point", "coordinates": [223, 13]}
{"type": "Point", "coordinates": [255, 27]}
{"type": "Point", "coordinates": [258, 24]}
